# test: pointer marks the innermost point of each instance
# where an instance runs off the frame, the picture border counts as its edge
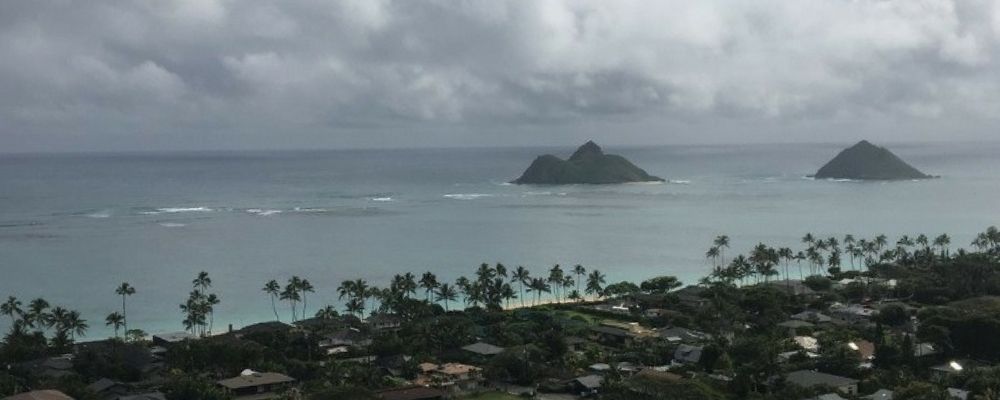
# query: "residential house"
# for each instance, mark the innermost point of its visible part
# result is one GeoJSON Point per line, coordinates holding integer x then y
{"type": "Point", "coordinates": [812, 379]}
{"type": "Point", "coordinates": [881, 394]}
{"type": "Point", "coordinates": [271, 328]}
{"type": "Point", "coordinates": [574, 343]}
{"type": "Point", "coordinates": [411, 393]}
{"type": "Point", "coordinates": [612, 336]}
{"type": "Point", "coordinates": [483, 349]}
{"type": "Point", "coordinates": [253, 385]}
{"type": "Point", "coordinates": [853, 313]}
{"type": "Point", "coordinates": [40, 395]}
{"type": "Point", "coordinates": [793, 287]}
{"type": "Point", "coordinates": [865, 350]}
{"type": "Point", "coordinates": [953, 367]}
{"type": "Point", "coordinates": [384, 322]}
{"type": "Point", "coordinates": [344, 340]}
{"type": "Point", "coordinates": [145, 396]}
{"type": "Point", "coordinates": [167, 339]}
{"type": "Point", "coordinates": [587, 385]}
{"type": "Point", "coordinates": [687, 354]}
{"type": "Point", "coordinates": [108, 389]}
{"type": "Point", "coordinates": [51, 367]}
{"type": "Point", "coordinates": [828, 396]}
{"type": "Point", "coordinates": [691, 296]}
{"type": "Point", "coordinates": [958, 394]}
{"type": "Point", "coordinates": [812, 316]}
{"type": "Point", "coordinates": [682, 335]}
{"type": "Point", "coordinates": [453, 377]}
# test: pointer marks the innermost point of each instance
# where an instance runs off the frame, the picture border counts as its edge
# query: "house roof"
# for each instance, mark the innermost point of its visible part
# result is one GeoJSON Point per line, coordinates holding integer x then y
{"type": "Point", "coordinates": [794, 324]}
{"type": "Point", "coordinates": [590, 381]}
{"type": "Point", "coordinates": [483, 348]}
{"type": "Point", "coordinates": [410, 393]}
{"type": "Point", "coordinates": [674, 334]}
{"type": "Point", "coordinates": [102, 385]}
{"type": "Point", "coordinates": [145, 396]}
{"type": "Point", "coordinates": [40, 395]}
{"type": "Point", "coordinates": [252, 379]}
{"type": "Point", "coordinates": [881, 394]}
{"type": "Point", "coordinates": [806, 378]}
{"type": "Point", "coordinates": [174, 337]}
{"type": "Point", "coordinates": [384, 319]}
{"type": "Point", "coordinates": [264, 327]}
{"type": "Point", "coordinates": [812, 316]}
{"type": "Point", "coordinates": [688, 354]}
{"type": "Point", "coordinates": [456, 369]}
{"type": "Point", "coordinates": [829, 396]}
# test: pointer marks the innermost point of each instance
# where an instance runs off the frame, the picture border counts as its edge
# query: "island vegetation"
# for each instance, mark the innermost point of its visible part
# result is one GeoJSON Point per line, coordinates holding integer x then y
{"type": "Point", "coordinates": [866, 161]}
{"type": "Point", "coordinates": [588, 165]}
{"type": "Point", "coordinates": [839, 317]}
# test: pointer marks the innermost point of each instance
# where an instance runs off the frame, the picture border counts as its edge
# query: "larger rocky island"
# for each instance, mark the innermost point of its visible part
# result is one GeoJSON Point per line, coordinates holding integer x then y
{"type": "Point", "coordinates": [588, 165]}
{"type": "Point", "coordinates": [866, 161]}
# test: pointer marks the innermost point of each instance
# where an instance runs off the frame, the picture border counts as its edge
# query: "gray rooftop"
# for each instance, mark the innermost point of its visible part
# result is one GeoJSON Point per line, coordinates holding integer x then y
{"type": "Point", "coordinates": [810, 379]}
{"type": "Point", "coordinates": [483, 348]}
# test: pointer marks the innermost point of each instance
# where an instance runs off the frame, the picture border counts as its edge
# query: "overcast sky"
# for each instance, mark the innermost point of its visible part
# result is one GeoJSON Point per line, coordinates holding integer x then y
{"type": "Point", "coordinates": [236, 74]}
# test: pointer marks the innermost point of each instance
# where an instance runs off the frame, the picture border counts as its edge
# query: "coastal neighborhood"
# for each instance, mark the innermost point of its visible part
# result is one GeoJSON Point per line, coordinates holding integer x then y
{"type": "Point", "coordinates": [894, 322]}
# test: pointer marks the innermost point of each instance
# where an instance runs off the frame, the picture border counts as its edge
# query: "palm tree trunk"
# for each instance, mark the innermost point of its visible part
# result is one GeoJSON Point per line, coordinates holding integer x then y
{"type": "Point", "coordinates": [275, 309]}
{"type": "Point", "coordinates": [124, 315]}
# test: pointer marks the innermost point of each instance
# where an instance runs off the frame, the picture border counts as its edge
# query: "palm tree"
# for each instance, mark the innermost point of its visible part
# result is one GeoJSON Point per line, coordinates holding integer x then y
{"type": "Point", "coordinates": [579, 271]}
{"type": "Point", "coordinates": [445, 293]}
{"type": "Point", "coordinates": [521, 276]}
{"type": "Point", "coordinates": [292, 296]}
{"type": "Point", "coordinates": [36, 316]}
{"type": "Point", "coordinates": [567, 283]}
{"type": "Point", "coordinates": [409, 284]}
{"type": "Point", "coordinates": [75, 325]}
{"type": "Point", "coordinates": [464, 286]}
{"type": "Point", "coordinates": [786, 254]}
{"type": "Point", "coordinates": [942, 243]}
{"type": "Point", "coordinates": [539, 285]}
{"type": "Point", "coordinates": [328, 312]}
{"type": "Point", "coordinates": [881, 241]}
{"type": "Point", "coordinates": [10, 308]}
{"type": "Point", "coordinates": [273, 290]}
{"type": "Point", "coordinates": [808, 239]}
{"type": "Point", "coordinates": [429, 282]}
{"type": "Point", "coordinates": [305, 287]}
{"type": "Point", "coordinates": [722, 243]}
{"type": "Point", "coordinates": [202, 281]}
{"type": "Point", "coordinates": [501, 270]}
{"type": "Point", "coordinates": [713, 254]}
{"type": "Point", "coordinates": [556, 279]}
{"type": "Point", "coordinates": [116, 320]}
{"type": "Point", "coordinates": [124, 290]}
{"type": "Point", "coordinates": [210, 302]}
{"type": "Point", "coordinates": [507, 292]}
{"type": "Point", "coordinates": [595, 283]}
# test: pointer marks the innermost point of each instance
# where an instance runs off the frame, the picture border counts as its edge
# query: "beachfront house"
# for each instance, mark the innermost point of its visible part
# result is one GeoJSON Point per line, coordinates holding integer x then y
{"type": "Point", "coordinates": [384, 322]}
{"type": "Point", "coordinates": [587, 385]}
{"type": "Point", "coordinates": [687, 354]}
{"type": "Point", "coordinates": [812, 379]}
{"type": "Point", "coordinates": [253, 385]}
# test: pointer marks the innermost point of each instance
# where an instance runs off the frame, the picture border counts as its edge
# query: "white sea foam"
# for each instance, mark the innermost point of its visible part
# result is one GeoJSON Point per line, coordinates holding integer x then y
{"type": "Point", "coordinates": [382, 199]}
{"type": "Point", "coordinates": [466, 196]}
{"type": "Point", "coordinates": [99, 214]}
{"type": "Point", "coordinates": [680, 182]}
{"type": "Point", "coordinates": [172, 224]}
{"type": "Point", "coordinates": [263, 212]}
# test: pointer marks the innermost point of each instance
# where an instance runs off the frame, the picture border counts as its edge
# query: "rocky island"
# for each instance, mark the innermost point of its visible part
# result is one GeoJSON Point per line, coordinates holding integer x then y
{"type": "Point", "coordinates": [866, 161]}
{"type": "Point", "coordinates": [587, 165]}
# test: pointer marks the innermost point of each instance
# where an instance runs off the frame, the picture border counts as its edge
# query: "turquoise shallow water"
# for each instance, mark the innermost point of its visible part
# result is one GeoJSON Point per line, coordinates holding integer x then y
{"type": "Point", "coordinates": [73, 226]}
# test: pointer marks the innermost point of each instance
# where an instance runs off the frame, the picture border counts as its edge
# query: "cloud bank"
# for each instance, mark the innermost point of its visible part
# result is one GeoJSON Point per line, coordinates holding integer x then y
{"type": "Point", "coordinates": [188, 74]}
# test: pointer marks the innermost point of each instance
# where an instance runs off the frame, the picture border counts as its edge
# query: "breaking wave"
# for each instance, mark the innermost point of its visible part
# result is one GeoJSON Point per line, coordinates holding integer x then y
{"type": "Point", "coordinates": [466, 196]}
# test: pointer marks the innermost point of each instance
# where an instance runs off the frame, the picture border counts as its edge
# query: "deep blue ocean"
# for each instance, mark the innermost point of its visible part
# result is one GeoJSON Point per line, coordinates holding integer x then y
{"type": "Point", "coordinates": [74, 226]}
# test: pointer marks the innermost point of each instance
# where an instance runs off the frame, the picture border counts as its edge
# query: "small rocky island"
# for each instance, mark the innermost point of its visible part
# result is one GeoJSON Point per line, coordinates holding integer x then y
{"type": "Point", "coordinates": [588, 165]}
{"type": "Point", "coordinates": [865, 161]}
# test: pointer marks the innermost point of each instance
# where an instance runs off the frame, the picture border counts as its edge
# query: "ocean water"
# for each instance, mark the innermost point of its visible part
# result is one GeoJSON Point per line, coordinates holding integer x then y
{"type": "Point", "coordinates": [74, 226]}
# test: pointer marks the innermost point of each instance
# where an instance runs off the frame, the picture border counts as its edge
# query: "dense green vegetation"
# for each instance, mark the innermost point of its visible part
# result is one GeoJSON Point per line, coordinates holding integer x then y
{"type": "Point", "coordinates": [924, 294]}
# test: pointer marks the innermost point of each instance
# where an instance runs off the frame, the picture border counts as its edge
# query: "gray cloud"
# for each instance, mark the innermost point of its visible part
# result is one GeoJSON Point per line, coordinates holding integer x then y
{"type": "Point", "coordinates": [104, 74]}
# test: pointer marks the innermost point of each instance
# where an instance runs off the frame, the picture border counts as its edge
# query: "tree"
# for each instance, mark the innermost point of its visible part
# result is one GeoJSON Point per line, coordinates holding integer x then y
{"type": "Point", "coordinates": [579, 271]}
{"type": "Point", "coordinates": [555, 280]}
{"type": "Point", "coordinates": [595, 283]}
{"type": "Point", "coordinates": [305, 287]}
{"type": "Point", "coordinates": [75, 324]}
{"type": "Point", "coordinates": [328, 312]}
{"type": "Point", "coordinates": [11, 308]}
{"type": "Point", "coordinates": [660, 284]}
{"type": "Point", "coordinates": [273, 290]}
{"type": "Point", "coordinates": [37, 317]}
{"type": "Point", "coordinates": [522, 276]}
{"type": "Point", "coordinates": [292, 296]}
{"type": "Point", "coordinates": [445, 293]}
{"type": "Point", "coordinates": [721, 242]}
{"type": "Point", "coordinates": [115, 320]}
{"type": "Point", "coordinates": [124, 290]}
{"type": "Point", "coordinates": [429, 282]}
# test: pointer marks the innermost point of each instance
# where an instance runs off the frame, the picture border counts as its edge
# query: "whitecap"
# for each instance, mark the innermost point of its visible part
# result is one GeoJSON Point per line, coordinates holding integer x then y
{"type": "Point", "coordinates": [382, 199]}
{"type": "Point", "coordinates": [175, 210]}
{"type": "Point", "coordinates": [679, 182]}
{"type": "Point", "coordinates": [172, 224]}
{"type": "Point", "coordinates": [99, 214]}
{"type": "Point", "coordinates": [466, 196]}
{"type": "Point", "coordinates": [263, 212]}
